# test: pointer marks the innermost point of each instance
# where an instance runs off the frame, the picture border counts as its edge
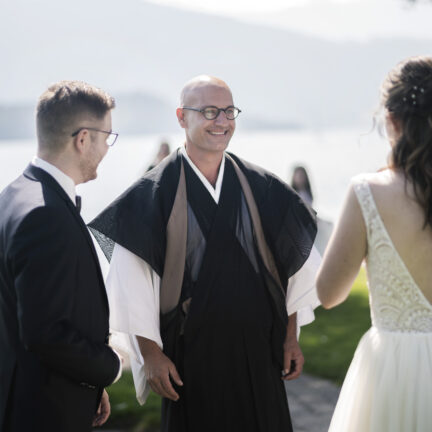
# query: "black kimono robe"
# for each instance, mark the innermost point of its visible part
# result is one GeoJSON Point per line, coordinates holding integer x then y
{"type": "Point", "coordinates": [224, 323]}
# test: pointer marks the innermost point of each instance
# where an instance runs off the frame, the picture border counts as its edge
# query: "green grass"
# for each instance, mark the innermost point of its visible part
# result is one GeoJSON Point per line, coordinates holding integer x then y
{"type": "Point", "coordinates": [329, 343]}
{"type": "Point", "coordinates": [126, 413]}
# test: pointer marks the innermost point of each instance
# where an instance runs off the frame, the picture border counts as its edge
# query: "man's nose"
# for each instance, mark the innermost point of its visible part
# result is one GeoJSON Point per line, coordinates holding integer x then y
{"type": "Point", "coordinates": [221, 118]}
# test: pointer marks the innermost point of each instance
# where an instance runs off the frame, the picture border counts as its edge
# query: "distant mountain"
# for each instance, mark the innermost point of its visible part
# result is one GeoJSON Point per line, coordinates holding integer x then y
{"type": "Point", "coordinates": [135, 113]}
{"type": "Point", "coordinates": [17, 121]}
{"type": "Point", "coordinates": [132, 47]}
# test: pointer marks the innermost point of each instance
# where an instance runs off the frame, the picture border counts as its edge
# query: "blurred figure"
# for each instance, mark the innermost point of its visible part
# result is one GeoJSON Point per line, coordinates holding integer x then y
{"type": "Point", "coordinates": [387, 220]}
{"type": "Point", "coordinates": [163, 152]}
{"type": "Point", "coordinates": [301, 184]}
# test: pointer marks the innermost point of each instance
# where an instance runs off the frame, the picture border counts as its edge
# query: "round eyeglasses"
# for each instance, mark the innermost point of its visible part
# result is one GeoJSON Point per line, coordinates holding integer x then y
{"type": "Point", "coordinates": [111, 138]}
{"type": "Point", "coordinates": [212, 112]}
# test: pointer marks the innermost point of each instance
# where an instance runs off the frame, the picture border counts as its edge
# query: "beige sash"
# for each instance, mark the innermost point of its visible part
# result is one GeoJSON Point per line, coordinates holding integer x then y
{"type": "Point", "coordinates": [172, 278]}
{"type": "Point", "coordinates": [175, 256]}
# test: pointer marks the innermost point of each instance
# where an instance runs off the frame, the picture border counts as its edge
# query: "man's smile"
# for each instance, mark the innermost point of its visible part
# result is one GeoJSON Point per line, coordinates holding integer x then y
{"type": "Point", "coordinates": [217, 133]}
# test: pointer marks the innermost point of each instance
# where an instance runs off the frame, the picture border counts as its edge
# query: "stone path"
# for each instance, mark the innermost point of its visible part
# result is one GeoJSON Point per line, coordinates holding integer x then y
{"type": "Point", "coordinates": [312, 401]}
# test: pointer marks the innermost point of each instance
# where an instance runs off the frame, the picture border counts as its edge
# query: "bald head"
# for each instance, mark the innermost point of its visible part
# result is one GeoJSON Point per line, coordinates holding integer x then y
{"type": "Point", "coordinates": [207, 114]}
{"type": "Point", "coordinates": [193, 88]}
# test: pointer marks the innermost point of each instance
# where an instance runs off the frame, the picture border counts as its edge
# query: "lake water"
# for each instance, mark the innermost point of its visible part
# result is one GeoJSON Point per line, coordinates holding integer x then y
{"type": "Point", "coordinates": [331, 157]}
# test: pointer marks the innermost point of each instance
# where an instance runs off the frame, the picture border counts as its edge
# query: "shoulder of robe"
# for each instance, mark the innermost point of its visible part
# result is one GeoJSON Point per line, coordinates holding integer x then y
{"type": "Point", "coordinates": [289, 224]}
{"type": "Point", "coordinates": [137, 219]}
{"type": "Point", "coordinates": [150, 195]}
{"type": "Point", "coordinates": [265, 185]}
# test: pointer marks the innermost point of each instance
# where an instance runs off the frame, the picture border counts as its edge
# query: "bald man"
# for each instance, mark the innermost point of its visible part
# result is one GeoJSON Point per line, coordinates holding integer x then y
{"type": "Point", "coordinates": [212, 266]}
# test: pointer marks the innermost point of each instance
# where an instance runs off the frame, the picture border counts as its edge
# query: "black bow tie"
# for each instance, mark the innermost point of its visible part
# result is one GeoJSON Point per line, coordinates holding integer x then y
{"type": "Point", "coordinates": [78, 203]}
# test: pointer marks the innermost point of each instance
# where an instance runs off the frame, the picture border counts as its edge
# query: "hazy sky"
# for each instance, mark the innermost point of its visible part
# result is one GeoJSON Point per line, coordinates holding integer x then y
{"type": "Point", "coordinates": [330, 19]}
{"type": "Point", "coordinates": [131, 45]}
{"type": "Point", "coordinates": [237, 7]}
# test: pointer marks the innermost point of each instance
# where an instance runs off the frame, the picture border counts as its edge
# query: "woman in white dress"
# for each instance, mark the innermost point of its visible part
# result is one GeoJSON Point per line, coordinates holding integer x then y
{"type": "Point", "coordinates": [387, 220]}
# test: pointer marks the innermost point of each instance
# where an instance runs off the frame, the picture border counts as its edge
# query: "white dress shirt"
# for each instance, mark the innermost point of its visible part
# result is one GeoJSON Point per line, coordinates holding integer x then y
{"type": "Point", "coordinates": [67, 184]}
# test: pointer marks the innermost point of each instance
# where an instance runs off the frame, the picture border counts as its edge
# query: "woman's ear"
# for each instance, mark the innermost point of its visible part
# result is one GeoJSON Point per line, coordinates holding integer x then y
{"type": "Point", "coordinates": [393, 127]}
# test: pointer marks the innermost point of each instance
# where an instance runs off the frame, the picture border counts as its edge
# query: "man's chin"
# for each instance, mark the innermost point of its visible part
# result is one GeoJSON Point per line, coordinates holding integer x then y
{"type": "Point", "coordinates": [218, 145]}
{"type": "Point", "coordinates": [90, 177]}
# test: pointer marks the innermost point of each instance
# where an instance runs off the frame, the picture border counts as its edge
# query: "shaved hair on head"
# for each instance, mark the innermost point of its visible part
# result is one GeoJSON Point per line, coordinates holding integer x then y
{"type": "Point", "coordinates": [190, 88]}
{"type": "Point", "coordinates": [63, 106]}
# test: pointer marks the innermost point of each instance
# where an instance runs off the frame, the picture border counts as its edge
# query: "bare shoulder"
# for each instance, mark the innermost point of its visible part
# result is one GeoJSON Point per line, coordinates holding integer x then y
{"type": "Point", "coordinates": [384, 177]}
{"type": "Point", "coordinates": [384, 183]}
{"type": "Point", "coordinates": [393, 194]}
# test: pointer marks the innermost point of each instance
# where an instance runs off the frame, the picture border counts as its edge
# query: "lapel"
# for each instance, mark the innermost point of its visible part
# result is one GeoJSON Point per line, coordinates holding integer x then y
{"type": "Point", "coordinates": [37, 174]}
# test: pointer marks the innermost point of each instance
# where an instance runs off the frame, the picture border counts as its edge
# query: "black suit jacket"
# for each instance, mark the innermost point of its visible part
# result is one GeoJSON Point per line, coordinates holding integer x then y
{"type": "Point", "coordinates": [54, 357]}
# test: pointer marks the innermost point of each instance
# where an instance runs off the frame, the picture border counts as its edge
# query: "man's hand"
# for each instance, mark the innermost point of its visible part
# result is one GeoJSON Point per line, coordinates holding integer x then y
{"type": "Point", "coordinates": [103, 411]}
{"type": "Point", "coordinates": [293, 360]}
{"type": "Point", "coordinates": [293, 356]}
{"type": "Point", "coordinates": [158, 369]}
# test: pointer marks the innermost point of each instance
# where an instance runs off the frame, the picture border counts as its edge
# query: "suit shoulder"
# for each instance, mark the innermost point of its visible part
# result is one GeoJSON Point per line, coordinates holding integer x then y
{"type": "Point", "coordinates": [25, 197]}
{"type": "Point", "coordinates": [54, 220]}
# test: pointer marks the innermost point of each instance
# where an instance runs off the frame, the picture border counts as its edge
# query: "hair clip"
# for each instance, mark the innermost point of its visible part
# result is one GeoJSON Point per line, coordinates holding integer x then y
{"type": "Point", "coordinates": [413, 96]}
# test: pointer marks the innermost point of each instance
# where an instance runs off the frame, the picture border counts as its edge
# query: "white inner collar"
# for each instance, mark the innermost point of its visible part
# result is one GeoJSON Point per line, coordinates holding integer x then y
{"type": "Point", "coordinates": [213, 191]}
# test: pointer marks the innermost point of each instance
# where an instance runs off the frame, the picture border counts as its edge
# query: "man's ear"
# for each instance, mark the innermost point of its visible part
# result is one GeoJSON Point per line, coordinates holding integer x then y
{"type": "Point", "coordinates": [81, 140]}
{"type": "Point", "coordinates": [180, 117]}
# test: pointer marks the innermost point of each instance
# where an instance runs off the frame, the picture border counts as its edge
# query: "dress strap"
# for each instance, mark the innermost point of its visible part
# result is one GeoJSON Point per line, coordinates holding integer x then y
{"type": "Point", "coordinates": [374, 225]}
{"type": "Point", "coordinates": [365, 198]}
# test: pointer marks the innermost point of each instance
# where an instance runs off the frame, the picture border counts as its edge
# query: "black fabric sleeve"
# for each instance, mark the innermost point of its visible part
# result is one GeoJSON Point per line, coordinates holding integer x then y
{"type": "Point", "coordinates": [137, 219]}
{"type": "Point", "coordinates": [44, 260]}
{"type": "Point", "coordinates": [292, 227]}
{"type": "Point", "coordinates": [288, 223]}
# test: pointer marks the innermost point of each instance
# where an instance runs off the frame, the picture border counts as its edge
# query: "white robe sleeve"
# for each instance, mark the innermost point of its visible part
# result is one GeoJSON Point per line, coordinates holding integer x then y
{"type": "Point", "coordinates": [302, 295]}
{"type": "Point", "coordinates": [133, 296]}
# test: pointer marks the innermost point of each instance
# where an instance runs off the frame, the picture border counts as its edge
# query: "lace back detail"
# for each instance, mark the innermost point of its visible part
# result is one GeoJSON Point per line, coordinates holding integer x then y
{"type": "Point", "coordinates": [397, 303]}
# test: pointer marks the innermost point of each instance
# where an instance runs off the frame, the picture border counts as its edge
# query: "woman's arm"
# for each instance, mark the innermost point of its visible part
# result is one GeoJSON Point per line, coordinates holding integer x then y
{"type": "Point", "coordinates": [344, 254]}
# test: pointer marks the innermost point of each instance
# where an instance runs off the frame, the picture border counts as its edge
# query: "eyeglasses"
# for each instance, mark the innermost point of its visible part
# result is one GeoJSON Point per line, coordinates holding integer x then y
{"type": "Point", "coordinates": [111, 138]}
{"type": "Point", "coordinates": [212, 112]}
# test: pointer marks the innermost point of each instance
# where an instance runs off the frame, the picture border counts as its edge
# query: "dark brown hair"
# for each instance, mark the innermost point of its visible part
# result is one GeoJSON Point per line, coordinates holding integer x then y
{"type": "Point", "coordinates": [407, 95]}
{"type": "Point", "coordinates": [63, 106]}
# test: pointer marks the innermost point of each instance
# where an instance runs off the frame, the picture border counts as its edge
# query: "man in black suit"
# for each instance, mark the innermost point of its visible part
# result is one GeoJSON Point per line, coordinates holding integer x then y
{"type": "Point", "coordinates": [54, 355]}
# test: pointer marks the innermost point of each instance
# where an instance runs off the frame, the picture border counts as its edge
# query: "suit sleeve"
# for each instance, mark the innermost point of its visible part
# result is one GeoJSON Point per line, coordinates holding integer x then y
{"type": "Point", "coordinates": [44, 263]}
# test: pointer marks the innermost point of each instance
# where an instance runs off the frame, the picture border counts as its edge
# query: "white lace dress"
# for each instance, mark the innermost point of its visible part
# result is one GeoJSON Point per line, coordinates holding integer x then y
{"type": "Point", "coordinates": [388, 386]}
